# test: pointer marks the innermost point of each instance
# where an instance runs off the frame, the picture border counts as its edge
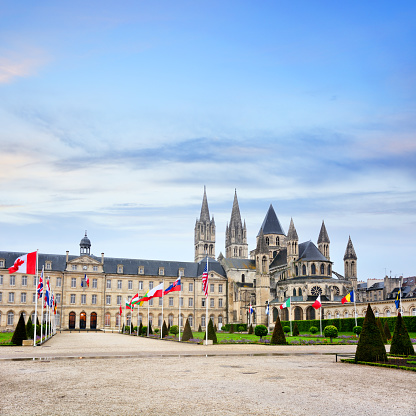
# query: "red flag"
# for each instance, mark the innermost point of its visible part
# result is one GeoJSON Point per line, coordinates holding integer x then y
{"type": "Point", "coordinates": [120, 310]}
{"type": "Point", "coordinates": [317, 303]}
{"type": "Point", "coordinates": [24, 264]}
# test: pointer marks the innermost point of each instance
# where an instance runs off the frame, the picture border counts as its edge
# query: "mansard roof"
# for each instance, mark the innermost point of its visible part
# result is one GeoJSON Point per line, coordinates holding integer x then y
{"type": "Point", "coordinates": [271, 224]}
{"type": "Point", "coordinates": [323, 235]}
{"type": "Point", "coordinates": [309, 252]}
{"type": "Point", "coordinates": [349, 251]}
{"type": "Point", "coordinates": [130, 266]}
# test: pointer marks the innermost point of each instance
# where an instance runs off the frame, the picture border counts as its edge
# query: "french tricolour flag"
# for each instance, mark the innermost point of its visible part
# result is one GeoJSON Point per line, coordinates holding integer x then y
{"type": "Point", "coordinates": [24, 264]}
{"type": "Point", "coordinates": [174, 287]}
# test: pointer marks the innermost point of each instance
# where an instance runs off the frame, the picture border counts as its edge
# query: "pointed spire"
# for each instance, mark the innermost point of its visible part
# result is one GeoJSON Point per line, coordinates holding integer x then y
{"type": "Point", "coordinates": [204, 217]}
{"type": "Point", "coordinates": [349, 251]}
{"type": "Point", "coordinates": [323, 235]}
{"type": "Point", "coordinates": [262, 247]}
{"type": "Point", "coordinates": [235, 213]}
{"type": "Point", "coordinates": [271, 224]}
{"type": "Point", "coordinates": [292, 234]}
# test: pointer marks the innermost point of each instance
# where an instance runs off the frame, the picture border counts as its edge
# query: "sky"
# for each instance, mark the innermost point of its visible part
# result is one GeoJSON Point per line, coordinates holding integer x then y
{"type": "Point", "coordinates": [115, 115]}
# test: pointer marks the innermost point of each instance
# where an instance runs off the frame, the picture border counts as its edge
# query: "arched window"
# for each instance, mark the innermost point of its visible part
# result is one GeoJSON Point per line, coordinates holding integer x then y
{"type": "Point", "coordinates": [10, 318]}
{"type": "Point", "coordinates": [159, 321]}
{"type": "Point", "coordinates": [264, 264]}
{"type": "Point", "coordinates": [191, 320]}
{"type": "Point", "coordinates": [170, 320]}
{"type": "Point", "coordinates": [118, 320]}
{"type": "Point", "coordinates": [313, 268]}
{"type": "Point", "coordinates": [294, 292]}
{"type": "Point", "coordinates": [235, 251]}
{"type": "Point", "coordinates": [181, 320]}
{"type": "Point", "coordinates": [240, 252]}
{"type": "Point", "coordinates": [243, 278]}
{"type": "Point", "coordinates": [388, 314]}
{"type": "Point", "coordinates": [414, 312]}
{"type": "Point", "coordinates": [267, 240]}
{"type": "Point", "coordinates": [297, 271]}
{"type": "Point", "coordinates": [203, 320]}
{"type": "Point", "coordinates": [212, 319]}
{"type": "Point", "coordinates": [57, 319]}
{"type": "Point", "coordinates": [329, 270]}
{"type": "Point", "coordinates": [151, 319]}
{"type": "Point", "coordinates": [277, 241]}
{"type": "Point", "coordinates": [300, 292]}
{"type": "Point", "coordinates": [304, 270]}
{"type": "Point", "coordinates": [322, 269]}
{"type": "Point", "coordinates": [107, 319]}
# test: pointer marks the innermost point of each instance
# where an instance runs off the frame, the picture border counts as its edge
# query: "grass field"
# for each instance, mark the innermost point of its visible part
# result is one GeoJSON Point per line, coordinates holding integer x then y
{"type": "Point", "coordinates": [5, 337]}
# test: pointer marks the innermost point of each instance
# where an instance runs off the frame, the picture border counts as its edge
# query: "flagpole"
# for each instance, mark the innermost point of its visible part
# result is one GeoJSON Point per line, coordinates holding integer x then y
{"type": "Point", "coordinates": [400, 295]}
{"type": "Point", "coordinates": [206, 304]}
{"type": "Point", "coordinates": [161, 322]}
{"type": "Point", "coordinates": [290, 321]}
{"type": "Point", "coordinates": [36, 296]}
{"type": "Point", "coordinates": [355, 308]}
{"type": "Point", "coordinates": [137, 327]}
{"type": "Point", "coordinates": [148, 322]}
{"type": "Point", "coordinates": [320, 318]}
{"type": "Point", "coordinates": [180, 293]}
{"type": "Point", "coordinates": [42, 302]}
{"type": "Point", "coordinates": [125, 313]}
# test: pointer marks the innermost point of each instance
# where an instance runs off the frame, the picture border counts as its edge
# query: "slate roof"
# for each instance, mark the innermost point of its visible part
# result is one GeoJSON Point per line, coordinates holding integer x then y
{"type": "Point", "coordinates": [376, 286]}
{"type": "Point", "coordinates": [130, 266]}
{"type": "Point", "coordinates": [309, 252]}
{"type": "Point", "coordinates": [204, 217]}
{"type": "Point", "coordinates": [323, 235]}
{"type": "Point", "coordinates": [292, 234]}
{"type": "Point", "coordinates": [280, 258]}
{"type": "Point", "coordinates": [239, 263]}
{"type": "Point", "coordinates": [271, 224]}
{"type": "Point", "coordinates": [349, 251]}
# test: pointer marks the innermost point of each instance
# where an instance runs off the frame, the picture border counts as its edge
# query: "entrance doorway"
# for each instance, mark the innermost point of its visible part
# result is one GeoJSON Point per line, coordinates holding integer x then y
{"type": "Point", "coordinates": [82, 320]}
{"type": "Point", "coordinates": [72, 320]}
{"type": "Point", "coordinates": [93, 320]}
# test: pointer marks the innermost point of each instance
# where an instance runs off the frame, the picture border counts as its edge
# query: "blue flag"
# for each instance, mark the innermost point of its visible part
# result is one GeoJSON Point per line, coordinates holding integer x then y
{"type": "Point", "coordinates": [397, 301]}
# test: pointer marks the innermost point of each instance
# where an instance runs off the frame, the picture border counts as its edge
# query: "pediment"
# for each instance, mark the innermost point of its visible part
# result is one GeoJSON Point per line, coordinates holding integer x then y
{"type": "Point", "coordinates": [84, 260]}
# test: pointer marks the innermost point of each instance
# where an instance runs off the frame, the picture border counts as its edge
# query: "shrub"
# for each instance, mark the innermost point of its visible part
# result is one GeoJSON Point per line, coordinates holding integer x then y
{"type": "Point", "coordinates": [140, 329]}
{"type": "Point", "coordinates": [250, 330]}
{"type": "Point", "coordinates": [357, 329]}
{"type": "Point", "coordinates": [29, 328]}
{"type": "Point", "coordinates": [122, 329]}
{"type": "Point", "coordinates": [386, 329]}
{"type": "Point", "coordinates": [401, 344]}
{"type": "Point", "coordinates": [286, 329]}
{"type": "Point", "coordinates": [150, 329]}
{"type": "Point", "coordinates": [278, 337]}
{"type": "Point", "coordinates": [131, 327]}
{"type": "Point", "coordinates": [313, 329]}
{"type": "Point", "coordinates": [143, 331]}
{"type": "Point", "coordinates": [241, 328]}
{"type": "Point", "coordinates": [231, 328]}
{"type": "Point", "coordinates": [174, 329]}
{"type": "Point", "coordinates": [199, 328]}
{"type": "Point", "coordinates": [295, 330]}
{"type": "Point", "coordinates": [187, 332]}
{"type": "Point", "coordinates": [331, 331]}
{"type": "Point", "coordinates": [20, 332]}
{"type": "Point", "coordinates": [165, 330]}
{"type": "Point", "coordinates": [211, 333]}
{"type": "Point", "coordinates": [380, 327]}
{"type": "Point", "coordinates": [261, 331]}
{"type": "Point", "coordinates": [370, 347]}
{"type": "Point", "coordinates": [157, 330]}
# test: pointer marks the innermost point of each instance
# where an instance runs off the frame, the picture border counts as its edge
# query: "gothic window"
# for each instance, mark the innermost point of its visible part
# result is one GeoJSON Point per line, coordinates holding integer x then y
{"type": "Point", "coordinates": [329, 270]}
{"type": "Point", "coordinates": [297, 270]}
{"type": "Point", "coordinates": [304, 270]}
{"type": "Point", "coordinates": [240, 254]}
{"type": "Point", "coordinates": [267, 240]}
{"type": "Point", "coordinates": [316, 291]}
{"type": "Point", "coordinates": [277, 241]}
{"type": "Point", "coordinates": [294, 292]}
{"type": "Point", "coordinates": [243, 278]}
{"type": "Point", "coordinates": [264, 264]}
{"type": "Point", "coordinates": [322, 269]}
{"type": "Point", "coordinates": [313, 269]}
{"type": "Point", "coordinates": [235, 251]}
{"type": "Point", "coordinates": [300, 292]}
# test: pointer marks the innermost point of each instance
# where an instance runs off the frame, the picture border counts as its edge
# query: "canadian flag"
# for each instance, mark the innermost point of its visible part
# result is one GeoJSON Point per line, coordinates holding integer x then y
{"type": "Point", "coordinates": [317, 303]}
{"type": "Point", "coordinates": [24, 264]}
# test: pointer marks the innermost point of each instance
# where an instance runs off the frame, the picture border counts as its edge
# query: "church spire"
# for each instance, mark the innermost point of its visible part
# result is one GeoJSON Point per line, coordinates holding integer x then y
{"type": "Point", "coordinates": [236, 234]}
{"type": "Point", "coordinates": [350, 263]}
{"type": "Point", "coordinates": [323, 241]}
{"type": "Point", "coordinates": [204, 217]}
{"type": "Point", "coordinates": [204, 240]}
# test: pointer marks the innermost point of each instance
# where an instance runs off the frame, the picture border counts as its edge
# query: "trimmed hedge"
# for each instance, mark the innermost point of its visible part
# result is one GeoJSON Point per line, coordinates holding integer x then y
{"type": "Point", "coordinates": [347, 324]}
{"type": "Point", "coordinates": [237, 327]}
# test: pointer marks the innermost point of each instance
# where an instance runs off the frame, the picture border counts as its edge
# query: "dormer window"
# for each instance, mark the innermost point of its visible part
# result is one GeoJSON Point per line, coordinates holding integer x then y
{"type": "Point", "coordinates": [74, 267]}
{"type": "Point", "coordinates": [48, 265]}
{"type": "Point", "coordinates": [161, 271]}
{"type": "Point", "coordinates": [141, 269]}
{"type": "Point", "coordinates": [2, 262]}
{"type": "Point", "coordinates": [120, 268]}
{"type": "Point", "coordinates": [181, 272]}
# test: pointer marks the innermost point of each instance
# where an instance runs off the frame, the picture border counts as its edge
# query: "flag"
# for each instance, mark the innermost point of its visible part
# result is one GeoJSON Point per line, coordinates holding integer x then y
{"type": "Point", "coordinates": [317, 303]}
{"type": "Point", "coordinates": [348, 298]}
{"type": "Point", "coordinates": [156, 292]}
{"type": "Point", "coordinates": [140, 301]}
{"type": "Point", "coordinates": [121, 311]}
{"type": "Point", "coordinates": [24, 264]}
{"type": "Point", "coordinates": [47, 290]}
{"type": "Point", "coordinates": [205, 280]}
{"type": "Point", "coordinates": [285, 305]}
{"type": "Point", "coordinates": [397, 301]}
{"type": "Point", "coordinates": [135, 299]}
{"type": "Point", "coordinates": [40, 285]}
{"type": "Point", "coordinates": [251, 309]}
{"type": "Point", "coordinates": [128, 306]}
{"type": "Point", "coordinates": [85, 281]}
{"type": "Point", "coordinates": [174, 287]}
{"type": "Point", "coordinates": [267, 309]}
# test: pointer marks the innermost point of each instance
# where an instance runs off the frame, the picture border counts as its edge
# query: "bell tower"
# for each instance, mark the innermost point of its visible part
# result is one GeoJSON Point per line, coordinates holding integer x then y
{"type": "Point", "coordinates": [350, 263]}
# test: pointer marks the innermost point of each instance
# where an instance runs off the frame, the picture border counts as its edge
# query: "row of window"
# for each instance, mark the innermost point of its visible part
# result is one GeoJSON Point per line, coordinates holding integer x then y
{"type": "Point", "coordinates": [23, 297]}
{"type": "Point", "coordinates": [313, 270]}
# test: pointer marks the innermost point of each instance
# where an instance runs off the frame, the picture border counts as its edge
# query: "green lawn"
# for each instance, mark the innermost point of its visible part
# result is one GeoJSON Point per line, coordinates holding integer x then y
{"type": "Point", "coordinates": [5, 337]}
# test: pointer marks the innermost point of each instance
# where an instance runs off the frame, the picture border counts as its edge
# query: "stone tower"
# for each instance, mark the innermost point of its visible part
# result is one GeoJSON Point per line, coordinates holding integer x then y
{"type": "Point", "coordinates": [236, 234]}
{"type": "Point", "coordinates": [262, 279]}
{"type": "Point", "coordinates": [292, 243]}
{"type": "Point", "coordinates": [273, 233]}
{"type": "Point", "coordinates": [350, 263]}
{"type": "Point", "coordinates": [85, 246]}
{"type": "Point", "coordinates": [204, 240]}
{"type": "Point", "coordinates": [323, 241]}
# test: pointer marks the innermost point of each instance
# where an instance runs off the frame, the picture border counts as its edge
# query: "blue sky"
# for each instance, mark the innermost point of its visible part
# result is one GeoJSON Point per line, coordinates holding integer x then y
{"type": "Point", "coordinates": [115, 116]}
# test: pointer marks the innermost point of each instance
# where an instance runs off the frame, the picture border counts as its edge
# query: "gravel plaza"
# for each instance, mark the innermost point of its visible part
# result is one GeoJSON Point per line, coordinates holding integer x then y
{"type": "Point", "coordinates": [108, 373]}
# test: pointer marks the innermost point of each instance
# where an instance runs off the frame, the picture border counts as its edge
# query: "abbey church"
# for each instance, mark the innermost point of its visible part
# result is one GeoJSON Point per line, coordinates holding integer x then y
{"type": "Point", "coordinates": [278, 267]}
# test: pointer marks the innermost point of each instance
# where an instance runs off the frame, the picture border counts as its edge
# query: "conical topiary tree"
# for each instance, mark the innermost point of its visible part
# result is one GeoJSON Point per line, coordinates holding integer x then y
{"type": "Point", "coordinates": [140, 328]}
{"type": "Point", "coordinates": [165, 330]}
{"type": "Point", "coordinates": [295, 330]}
{"type": "Point", "coordinates": [380, 327]}
{"type": "Point", "coordinates": [199, 328]}
{"type": "Point", "coordinates": [387, 332]}
{"type": "Point", "coordinates": [20, 331]}
{"type": "Point", "coordinates": [370, 346]}
{"type": "Point", "coordinates": [150, 329]}
{"type": "Point", "coordinates": [278, 336]}
{"type": "Point", "coordinates": [401, 344]}
{"type": "Point", "coordinates": [250, 329]}
{"type": "Point", "coordinates": [231, 329]}
{"type": "Point", "coordinates": [211, 333]}
{"type": "Point", "coordinates": [29, 328]}
{"type": "Point", "coordinates": [187, 332]}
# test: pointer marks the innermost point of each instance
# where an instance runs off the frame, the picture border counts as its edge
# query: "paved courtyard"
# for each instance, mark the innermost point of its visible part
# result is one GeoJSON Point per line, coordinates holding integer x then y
{"type": "Point", "coordinates": [103, 374]}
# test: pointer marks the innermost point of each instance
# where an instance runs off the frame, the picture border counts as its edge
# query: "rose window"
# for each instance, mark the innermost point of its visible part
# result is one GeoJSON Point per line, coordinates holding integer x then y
{"type": "Point", "coordinates": [316, 291]}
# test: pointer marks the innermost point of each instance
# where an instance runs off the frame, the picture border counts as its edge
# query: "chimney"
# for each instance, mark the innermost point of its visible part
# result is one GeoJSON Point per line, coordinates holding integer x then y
{"type": "Point", "coordinates": [102, 258]}
{"type": "Point", "coordinates": [67, 254]}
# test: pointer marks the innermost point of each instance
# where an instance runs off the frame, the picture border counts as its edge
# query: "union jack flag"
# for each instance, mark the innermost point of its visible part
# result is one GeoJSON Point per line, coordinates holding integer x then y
{"type": "Point", "coordinates": [40, 285]}
{"type": "Point", "coordinates": [205, 280]}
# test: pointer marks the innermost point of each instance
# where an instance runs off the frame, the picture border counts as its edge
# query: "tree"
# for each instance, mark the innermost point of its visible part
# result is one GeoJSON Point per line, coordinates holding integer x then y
{"type": "Point", "coordinates": [295, 330]}
{"type": "Point", "coordinates": [150, 329]}
{"type": "Point", "coordinates": [331, 331]}
{"type": "Point", "coordinates": [387, 332]}
{"type": "Point", "coordinates": [174, 329]}
{"type": "Point", "coordinates": [401, 344]}
{"type": "Point", "coordinates": [278, 336]}
{"type": "Point", "coordinates": [250, 329]}
{"type": "Point", "coordinates": [20, 332]}
{"type": "Point", "coordinates": [211, 333]}
{"type": "Point", "coordinates": [313, 329]}
{"type": "Point", "coordinates": [122, 329]}
{"type": "Point", "coordinates": [357, 330]}
{"type": "Point", "coordinates": [370, 347]}
{"type": "Point", "coordinates": [187, 332]}
{"type": "Point", "coordinates": [165, 331]}
{"type": "Point", "coordinates": [199, 328]}
{"type": "Point", "coordinates": [131, 327]}
{"type": "Point", "coordinates": [261, 331]}
{"type": "Point", "coordinates": [140, 329]}
{"type": "Point", "coordinates": [29, 328]}
{"type": "Point", "coordinates": [380, 327]}
{"type": "Point", "coordinates": [231, 329]}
